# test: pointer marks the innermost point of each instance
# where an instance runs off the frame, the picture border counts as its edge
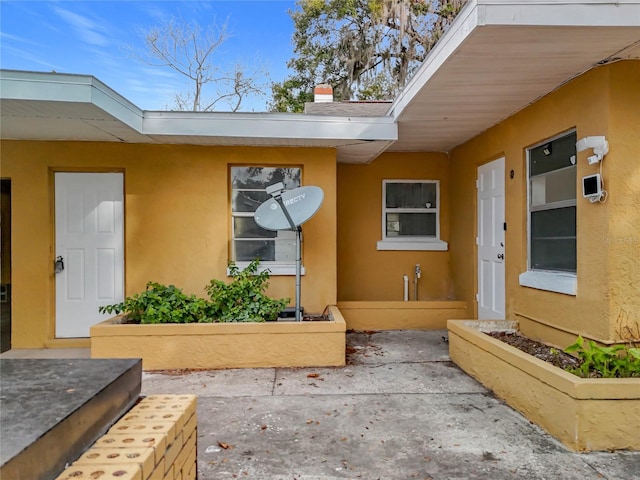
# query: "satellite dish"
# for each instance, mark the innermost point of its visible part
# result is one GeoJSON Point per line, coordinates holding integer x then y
{"type": "Point", "coordinates": [287, 211]}
{"type": "Point", "coordinates": [301, 204]}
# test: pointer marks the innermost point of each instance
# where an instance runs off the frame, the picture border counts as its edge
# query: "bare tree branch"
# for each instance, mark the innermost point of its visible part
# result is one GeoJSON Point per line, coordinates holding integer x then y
{"type": "Point", "coordinates": [189, 50]}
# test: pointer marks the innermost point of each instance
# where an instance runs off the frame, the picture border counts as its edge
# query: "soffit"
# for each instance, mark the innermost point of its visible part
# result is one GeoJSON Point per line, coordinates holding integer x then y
{"type": "Point", "coordinates": [500, 57]}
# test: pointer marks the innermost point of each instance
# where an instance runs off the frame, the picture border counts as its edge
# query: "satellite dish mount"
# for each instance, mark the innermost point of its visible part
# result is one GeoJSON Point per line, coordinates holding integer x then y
{"type": "Point", "coordinates": [288, 210]}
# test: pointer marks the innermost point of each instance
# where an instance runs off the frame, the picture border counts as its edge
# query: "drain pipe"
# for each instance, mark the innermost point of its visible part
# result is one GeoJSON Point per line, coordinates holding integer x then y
{"type": "Point", "coordinates": [418, 274]}
{"type": "Point", "coordinates": [406, 287]}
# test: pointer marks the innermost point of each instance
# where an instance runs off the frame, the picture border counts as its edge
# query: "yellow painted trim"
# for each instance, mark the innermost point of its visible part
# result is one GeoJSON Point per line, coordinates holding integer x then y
{"type": "Point", "coordinates": [585, 414]}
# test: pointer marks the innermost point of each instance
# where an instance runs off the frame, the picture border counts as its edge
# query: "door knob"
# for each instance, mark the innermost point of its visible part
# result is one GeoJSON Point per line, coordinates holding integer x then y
{"type": "Point", "coordinates": [501, 256]}
{"type": "Point", "coordinates": [59, 264]}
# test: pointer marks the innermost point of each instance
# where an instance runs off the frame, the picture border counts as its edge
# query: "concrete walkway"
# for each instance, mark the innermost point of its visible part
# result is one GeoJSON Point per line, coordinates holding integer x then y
{"type": "Point", "coordinates": [399, 410]}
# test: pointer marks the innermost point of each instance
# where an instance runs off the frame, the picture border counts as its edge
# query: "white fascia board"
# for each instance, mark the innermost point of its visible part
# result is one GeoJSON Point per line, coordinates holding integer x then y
{"type": "Point", "coordinates": [269, 125]}
{"type": "Point", "coordinates": [479, 13]}
{"type": "Point", "coordinates": [56, 87]}
{"type": "Point", "coordinates": [571, 13]}
{"type": "Point", "coordinates": [116, 105]}
{"type": "Point", "coordinates": [18, 85]}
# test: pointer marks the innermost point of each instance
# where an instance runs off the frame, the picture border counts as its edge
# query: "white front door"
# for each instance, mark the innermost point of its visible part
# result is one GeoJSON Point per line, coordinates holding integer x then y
{"type": "Point", "coordinates": [491, 226]}
{"type": "Point", "coordinates": [90, 244]}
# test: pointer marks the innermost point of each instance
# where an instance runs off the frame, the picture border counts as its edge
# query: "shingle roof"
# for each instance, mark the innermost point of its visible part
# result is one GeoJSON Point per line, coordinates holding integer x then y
{"type": "Point", "coordinates": [348, 109]}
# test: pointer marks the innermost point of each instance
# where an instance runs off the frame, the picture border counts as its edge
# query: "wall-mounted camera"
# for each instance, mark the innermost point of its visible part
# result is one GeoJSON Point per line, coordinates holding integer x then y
{"type": "Point", "coordinates": [598, 143]}
{"type": "Point", "coordinates": [592, 187]}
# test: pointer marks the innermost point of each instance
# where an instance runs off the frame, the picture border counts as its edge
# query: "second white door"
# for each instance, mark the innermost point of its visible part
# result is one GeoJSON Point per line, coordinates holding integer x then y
{"type": "Point", "coordinates": [491, 228]}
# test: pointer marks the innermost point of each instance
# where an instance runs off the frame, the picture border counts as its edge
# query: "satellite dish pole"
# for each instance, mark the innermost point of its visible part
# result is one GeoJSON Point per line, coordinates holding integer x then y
{"type": "Point", "coordinates": [275, 191]}
{"type": "Point", "coordinates": [297, 206]}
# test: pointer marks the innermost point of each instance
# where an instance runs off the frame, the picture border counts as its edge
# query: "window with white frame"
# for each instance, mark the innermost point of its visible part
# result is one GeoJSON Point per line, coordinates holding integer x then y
{"type": "Point", "coordinates": [551, 175]}
{"type": "Point", "coordinates": [552, 205]}
{"type": "Point", "coordinates": [275, 249]}
{"type": "Point", "coordinates": [411, 215]}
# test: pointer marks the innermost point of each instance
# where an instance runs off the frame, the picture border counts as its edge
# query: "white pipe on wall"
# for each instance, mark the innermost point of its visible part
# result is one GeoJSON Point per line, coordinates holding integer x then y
{"type": "Point", "coordinates": [406, 288]}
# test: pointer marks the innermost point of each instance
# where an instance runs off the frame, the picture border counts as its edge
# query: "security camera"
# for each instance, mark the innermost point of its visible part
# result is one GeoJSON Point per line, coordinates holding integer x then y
{"type": "Point", "coordinates": [598, 143]}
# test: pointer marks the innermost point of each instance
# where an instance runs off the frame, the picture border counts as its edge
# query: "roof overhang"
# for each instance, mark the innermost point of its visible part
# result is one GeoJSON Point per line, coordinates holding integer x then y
{"type": "Point", "coordinates": [499, 56]}
{"type": "Point", "coordinates": [51, 106]}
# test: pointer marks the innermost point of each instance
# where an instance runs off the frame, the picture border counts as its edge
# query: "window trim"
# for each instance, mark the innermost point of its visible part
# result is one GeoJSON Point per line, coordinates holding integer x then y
{"type": "Point", "coordinates": [411, 243]}
{"type": "Point", "coordinates": [547, 280]}
{"type": "Point", "coordinates": [276, 268]}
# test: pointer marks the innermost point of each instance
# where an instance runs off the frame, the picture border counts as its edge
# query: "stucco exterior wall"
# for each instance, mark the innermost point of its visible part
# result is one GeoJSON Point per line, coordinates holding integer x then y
{"type": "Point", "coordinates": [365, 273]}
{"type": "Point", "coordinates": [177, 220]}
{"type": "Point", "coordinates": [604, 101]}
{"type": "Point", "coordinates": [622, 175]}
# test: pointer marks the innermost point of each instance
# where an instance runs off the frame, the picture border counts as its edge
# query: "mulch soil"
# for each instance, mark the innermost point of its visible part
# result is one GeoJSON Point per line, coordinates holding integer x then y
{"type": "Point", "coordinates": [539, 350]}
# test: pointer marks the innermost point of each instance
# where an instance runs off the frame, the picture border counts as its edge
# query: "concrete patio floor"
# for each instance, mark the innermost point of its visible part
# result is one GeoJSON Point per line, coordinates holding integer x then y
{"type": "Point", "coordinates": [400, 409]}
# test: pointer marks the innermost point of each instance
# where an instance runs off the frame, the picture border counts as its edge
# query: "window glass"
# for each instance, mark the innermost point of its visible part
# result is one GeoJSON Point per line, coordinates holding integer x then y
{"type": "Point", "coordinates": [553, 240]}
{"type": "Point", "coordinates": [247, 193]}
{"type": "Point", "coordinates": [248, 200]}
{"type": "Point", "coordinates": [552, 155]}
{"type": "Point", "coordinates": [410, 210]}
{"type": "Point", "coordinates": [555, 186]}
{"type": "Point", "coordinates": [261, 177]}
{"type": "Point", "coordinates": [552, 205]}
{"type": "Point", "coordinates": [411, 224]}
{"type": "Point", "coordinates": [411, 195]}
{"type": "Point", "coordinates": [246, 227]}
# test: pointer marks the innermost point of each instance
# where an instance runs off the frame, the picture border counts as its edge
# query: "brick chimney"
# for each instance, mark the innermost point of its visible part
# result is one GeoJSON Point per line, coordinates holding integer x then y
{"type": "Point", "coordinates": [323, 93]}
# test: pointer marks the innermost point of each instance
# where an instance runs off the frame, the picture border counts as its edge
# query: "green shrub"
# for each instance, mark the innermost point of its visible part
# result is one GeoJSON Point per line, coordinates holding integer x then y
{"type": "Point", "coordinates": [241, 300]}
{"type": "Point", "coordinates": [160, 304]}
{"type": "Point", "coordinates": [605, 362]}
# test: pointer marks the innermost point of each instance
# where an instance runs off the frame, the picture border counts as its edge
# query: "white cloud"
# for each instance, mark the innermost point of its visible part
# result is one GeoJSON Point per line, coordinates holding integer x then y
{"type": "Point", "coordinates": [25, 55]}
{"type": "Point", "coordinates": [88, 30]}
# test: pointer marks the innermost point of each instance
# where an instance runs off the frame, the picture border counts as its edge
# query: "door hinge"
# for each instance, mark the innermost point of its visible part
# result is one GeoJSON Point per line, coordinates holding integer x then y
{"type": "Point", "coordinates": [504, 225]}
{"type": "Point", "coordinates": [477, 183]}
{"type": "Point", "coordinates": [477, 297]}
{"type": "Point", "coordinates": [477, 240]}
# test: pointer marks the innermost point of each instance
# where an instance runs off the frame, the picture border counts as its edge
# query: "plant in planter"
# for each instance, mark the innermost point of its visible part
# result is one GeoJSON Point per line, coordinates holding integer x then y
{"type": "Point", "coordinates": [244, 299]}
{"type": "Point", "coordinates": [241, 300]}
{"type": "Point", "coordinates": [616, 361]}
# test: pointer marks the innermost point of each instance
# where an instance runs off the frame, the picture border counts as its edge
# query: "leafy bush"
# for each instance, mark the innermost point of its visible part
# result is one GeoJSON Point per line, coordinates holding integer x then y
{"type": "Point", "coordinates": [242, 300]}
{"type": "Point", "coordinates": [160, 304]}
{"type": "Point", "coordinates": [605, 362]}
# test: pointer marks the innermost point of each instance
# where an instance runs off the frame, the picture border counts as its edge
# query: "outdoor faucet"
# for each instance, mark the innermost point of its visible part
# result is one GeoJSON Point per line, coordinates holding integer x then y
{"type": "Point", "coordinates": [418, 273]}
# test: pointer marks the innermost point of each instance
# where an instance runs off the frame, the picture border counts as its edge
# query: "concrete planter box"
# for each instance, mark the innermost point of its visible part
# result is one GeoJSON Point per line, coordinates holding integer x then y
{"type": "Point", "coordinates": [585, 414]}
{"type": "Point", "coordinates": [224, 345]}
{"type": "Point", "coordinates": [394, 315]}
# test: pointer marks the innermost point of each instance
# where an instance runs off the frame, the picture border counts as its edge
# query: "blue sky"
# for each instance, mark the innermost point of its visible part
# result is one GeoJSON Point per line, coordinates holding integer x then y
{"type": "Point", "coordinates": [92, 37]}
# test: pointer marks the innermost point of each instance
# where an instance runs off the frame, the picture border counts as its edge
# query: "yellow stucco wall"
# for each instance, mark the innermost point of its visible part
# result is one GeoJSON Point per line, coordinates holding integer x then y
{"type": "Point", "coordinates": [365, 273]}
{"type": "Point", "coordinates": [177, 220]}
{"type": "Point", "coordinates": [622, 177]}
{"type": "Point", "coordinates": [604, 101]}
